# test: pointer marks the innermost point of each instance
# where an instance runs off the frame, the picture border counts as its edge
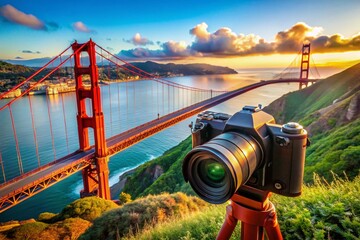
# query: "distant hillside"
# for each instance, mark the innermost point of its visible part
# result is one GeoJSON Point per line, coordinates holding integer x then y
{"type": "Point", "coordinates": [184, 69]}
{"type": "Point", "coordinates": [330, 111]}
{"type": "Point", "coordinates": [10, 68]}
{"type": "Point", "coordinates": [301, 104]}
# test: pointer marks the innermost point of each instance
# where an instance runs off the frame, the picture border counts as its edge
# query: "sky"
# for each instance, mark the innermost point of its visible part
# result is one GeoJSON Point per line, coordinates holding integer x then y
{"type": "Point", "coordinates": [238, 34]}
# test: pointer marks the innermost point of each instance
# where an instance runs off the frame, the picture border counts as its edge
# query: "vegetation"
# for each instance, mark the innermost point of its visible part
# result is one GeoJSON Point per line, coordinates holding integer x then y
{"type": "Point", "coordinates": [29, 231]}
{"type": "Point", "coordinates": [300, 104]}
{"type": "Point", "coordinates": [70, 223]}
{"type": "Point", "coordinates": [124, 198]}
{"type": "Point", "coordinates": [337, 150]}
{"type": "Point", "coordinates": [170, 181]}
{"type": "Point", "coordinates": [148, 211]}
{"type": "Point", "coordinates": [323, 211]}
{"type": "Point", "coordinates": [70, 228]}
{"type": "Point", "coordinates": [87, 208]}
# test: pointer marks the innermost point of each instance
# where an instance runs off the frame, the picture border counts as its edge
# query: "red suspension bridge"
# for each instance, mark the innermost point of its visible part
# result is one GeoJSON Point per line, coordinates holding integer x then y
{"type": "Point", "coordinates": [174, 101]}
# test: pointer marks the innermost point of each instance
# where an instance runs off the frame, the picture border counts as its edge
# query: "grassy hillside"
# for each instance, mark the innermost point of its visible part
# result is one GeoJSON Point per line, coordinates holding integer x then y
{"type": "Point", "coordinates": [330, 112]}
{"type": "Point", "coordinates": [144, 212]}
{"type": "Point", "coordinates": [170, 181]}
{"type": "Point", "coordinates": [323, 211]}
{"type": "Point", "coordinates": [300, 104]}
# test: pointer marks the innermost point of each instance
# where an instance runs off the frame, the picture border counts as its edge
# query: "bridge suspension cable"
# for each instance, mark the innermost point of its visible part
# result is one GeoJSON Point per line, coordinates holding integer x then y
{"type": "Point", "coordinates": [127, 66]}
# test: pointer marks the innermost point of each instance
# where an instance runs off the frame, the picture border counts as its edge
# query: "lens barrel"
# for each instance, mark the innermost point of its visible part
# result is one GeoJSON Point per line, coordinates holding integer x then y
{"type": "Point", "coordinates": [218, 168]}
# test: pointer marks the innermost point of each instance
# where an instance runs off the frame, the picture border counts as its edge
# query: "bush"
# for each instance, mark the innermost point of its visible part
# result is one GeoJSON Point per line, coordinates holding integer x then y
{"type": "Point", "coordinates": [70, 228]}
{"type": "Point", "coordinates": [124, 198]}
{"type": "Point", "coordinates": [28, 231]}
{"type": "Point", "coordinates": [87, 208]}
{"type": "Point", "coordinates": [132, 217]}
{"type": "Point", "coordinates": [47, 217]}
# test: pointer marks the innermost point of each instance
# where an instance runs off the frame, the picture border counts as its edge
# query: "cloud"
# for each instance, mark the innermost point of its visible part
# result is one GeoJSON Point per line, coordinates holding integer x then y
{"type": "Point", "coordinates": [110, 49]}
{"type": "Point", "coordinates": [81, 27]}
{"type": "Point", "coordinates": [13, 15]}
{"type": "Point", "coordinates": [29, 51]}
{"type": "Point", "coordinates": [225, 42]}
{"type": "Point", "coordinates": [108, 39]}
{"type": "Point", "coordinates": [137, 40]}
{"type": "Point", "coordinates": [221, 42]}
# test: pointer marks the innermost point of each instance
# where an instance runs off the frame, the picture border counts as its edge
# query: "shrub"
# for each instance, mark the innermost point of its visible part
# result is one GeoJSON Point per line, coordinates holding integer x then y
{"type": "Point", "coordinates": [47, 217]}
{"type": "Point", "coordinates": [132, 217]}
{"type": "Point", "coordinates": [124, 198]}
{"type": "Point", "coordinates": [87, 208]}
{"type": "Point", "coordinates": [70, 228]}
{"type": "Point", "coordinates": [28, 231]}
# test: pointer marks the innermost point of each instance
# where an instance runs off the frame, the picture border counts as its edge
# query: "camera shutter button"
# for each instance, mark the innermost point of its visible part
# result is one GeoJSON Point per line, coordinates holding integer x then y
{"type": "Point", "coordinates": [292, 128]}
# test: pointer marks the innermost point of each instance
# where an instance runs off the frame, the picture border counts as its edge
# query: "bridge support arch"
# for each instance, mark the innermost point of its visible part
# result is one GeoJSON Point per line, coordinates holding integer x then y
{"type": "Point", "coordinates": [96, 175]}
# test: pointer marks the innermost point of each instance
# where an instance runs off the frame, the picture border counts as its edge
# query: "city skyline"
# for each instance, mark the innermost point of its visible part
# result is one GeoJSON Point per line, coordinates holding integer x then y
{"type": "Point", "coordinates": [238, 34]}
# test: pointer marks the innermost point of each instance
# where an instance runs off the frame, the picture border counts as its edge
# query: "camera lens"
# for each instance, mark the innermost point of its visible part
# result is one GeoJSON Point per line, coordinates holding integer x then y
{"type": "Point", "coordinates": [214, 171]}
{"type": "Point", "coordinates": [218, 168]}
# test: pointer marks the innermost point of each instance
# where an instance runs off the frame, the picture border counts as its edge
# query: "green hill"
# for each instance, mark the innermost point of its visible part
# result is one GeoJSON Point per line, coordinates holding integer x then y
{"type": "Point", "coordinates": [184, 69]}
{"type": "Point", "coordinates": [330, 111]}
{"type": "Point", "coordinates": [300, 105]}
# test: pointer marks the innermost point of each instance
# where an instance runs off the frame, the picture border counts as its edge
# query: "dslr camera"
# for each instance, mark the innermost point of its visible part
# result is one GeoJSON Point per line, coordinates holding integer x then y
{"type": "Point", "coordinates": [246, 148]}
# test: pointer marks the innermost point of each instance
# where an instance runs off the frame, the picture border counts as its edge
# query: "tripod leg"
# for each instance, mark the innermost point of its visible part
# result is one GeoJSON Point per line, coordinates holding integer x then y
{"type": "Point", "coordinates": [228, 225]}
{"type": "Point", "coordinates": [251, 232]}
{"type": "Point", "coordinates": [272, 226]}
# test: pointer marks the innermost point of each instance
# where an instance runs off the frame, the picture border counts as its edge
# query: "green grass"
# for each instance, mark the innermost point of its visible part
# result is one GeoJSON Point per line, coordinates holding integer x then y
{"type": "Point", "coordinates": [200, 225]}
{"type": "Point", "coordinates": [132, 217]}
{"type": "Point", "coordinates": [337, 150]}
{"type": "Point", "coordinates": [324, 211]}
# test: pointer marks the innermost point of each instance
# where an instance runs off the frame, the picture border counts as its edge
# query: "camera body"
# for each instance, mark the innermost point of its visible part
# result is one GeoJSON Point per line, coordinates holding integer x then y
{"type": "Point", "coordinates": [268, 156]}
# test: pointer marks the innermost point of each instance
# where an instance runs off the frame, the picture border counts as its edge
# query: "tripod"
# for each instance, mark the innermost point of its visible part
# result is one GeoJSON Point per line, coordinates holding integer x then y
{"type": "Point", "coordinates": [253, 208]}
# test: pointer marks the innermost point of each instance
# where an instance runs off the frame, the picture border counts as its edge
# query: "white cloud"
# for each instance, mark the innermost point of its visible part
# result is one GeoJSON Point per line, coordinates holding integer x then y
{"type": "Point", "coordinates": [81, 27]}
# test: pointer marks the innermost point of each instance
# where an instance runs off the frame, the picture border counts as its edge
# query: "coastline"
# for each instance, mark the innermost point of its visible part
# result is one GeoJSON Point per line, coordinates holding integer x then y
{"type": "Point", "coordinates": [116, 189]}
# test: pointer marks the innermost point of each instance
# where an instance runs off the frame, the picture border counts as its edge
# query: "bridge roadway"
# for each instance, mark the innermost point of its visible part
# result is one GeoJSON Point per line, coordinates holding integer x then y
{"type": "Point", "coordinates": [27, 185]}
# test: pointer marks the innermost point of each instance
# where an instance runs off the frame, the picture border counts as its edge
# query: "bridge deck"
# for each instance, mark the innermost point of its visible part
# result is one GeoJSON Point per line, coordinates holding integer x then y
{"type": "Point", "coordinates": [25, 186]}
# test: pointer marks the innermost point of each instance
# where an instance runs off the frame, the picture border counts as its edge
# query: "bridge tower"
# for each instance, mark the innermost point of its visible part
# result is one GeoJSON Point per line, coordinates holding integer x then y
{"type": "Point", "coordinates": [305, 64]}
{"type": "Point", "coordinates": [96, 175]}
